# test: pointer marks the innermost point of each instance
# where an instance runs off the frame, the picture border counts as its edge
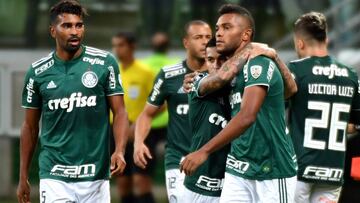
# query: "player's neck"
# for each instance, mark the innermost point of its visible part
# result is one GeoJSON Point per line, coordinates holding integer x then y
{"type": "Point", "coordinates": [67, 56]}
{"type": "Point", "coordinates": [319, 51]}
{"type": "Point", "coordinates": [240, 48]}
{"type": "Point", "coordinates": [195, 64]}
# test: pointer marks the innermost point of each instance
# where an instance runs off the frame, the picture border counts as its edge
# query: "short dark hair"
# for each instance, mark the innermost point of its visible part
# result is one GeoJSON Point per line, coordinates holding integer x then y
{"type": "Point", "coordinates": [211, 42]}
{"type": "Point", "coordinates": [66, 6]}
{"type": "Point", "coordinates": [128, 36]}
{"type": "Point", "coordinates": [313, 25]}
{"type": "Point", "coordinates": [233, 8]}
{"type": "Point", "coordinates": [191, 23]}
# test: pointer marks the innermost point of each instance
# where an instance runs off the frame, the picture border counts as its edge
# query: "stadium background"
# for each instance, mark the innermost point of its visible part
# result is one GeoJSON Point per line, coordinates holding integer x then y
{"type": "Point", "coordinates": [24, 38]}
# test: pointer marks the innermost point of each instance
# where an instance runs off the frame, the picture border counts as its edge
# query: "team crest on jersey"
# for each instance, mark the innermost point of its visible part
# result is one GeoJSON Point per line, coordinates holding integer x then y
{"type": "Point", "coordinates": [89, 79]}
{"type": "Point", "coordinates": [255, 71]}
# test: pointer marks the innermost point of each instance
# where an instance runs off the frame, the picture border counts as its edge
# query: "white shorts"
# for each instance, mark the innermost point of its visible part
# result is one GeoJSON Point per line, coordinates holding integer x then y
{"type": "Point", "coordinates": [193, 197]}
{"type": "Point", "coordinates": [320, 193]}
{"type": "Point", "coordinates": [237, 189]}
{"type": "Point", "coordinates": [55, 191]}
{"type": "Point", "coordinates": [174, 185]}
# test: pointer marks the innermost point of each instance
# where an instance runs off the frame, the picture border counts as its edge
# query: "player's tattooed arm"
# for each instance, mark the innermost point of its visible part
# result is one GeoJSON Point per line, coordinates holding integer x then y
{"type": "Point", "coordinates": [253, 98]}
{"type": "Point", "coordinates": [120, 132]}
{"type": "Point", "coordinates": [289, 81]}
{"type": "Point", "coordinates": [28, 141]}
{"type": "Point", "coordinates": [233, 65]}
{"type": "Point", "coordinates": [226, 73]}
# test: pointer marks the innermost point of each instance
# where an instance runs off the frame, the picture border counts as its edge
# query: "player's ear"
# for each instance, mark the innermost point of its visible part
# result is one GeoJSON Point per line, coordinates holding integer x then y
{"type": "Point", "coordinates": [301, 44]}
{"type": "Point", "coordinates": [52, 30]}
{"type": "Point", "coordinates": [185, 42]}
{"type": "Point", "coordinates": [327, 41]}
{"type": "Point", "coordinates": [246, 36]}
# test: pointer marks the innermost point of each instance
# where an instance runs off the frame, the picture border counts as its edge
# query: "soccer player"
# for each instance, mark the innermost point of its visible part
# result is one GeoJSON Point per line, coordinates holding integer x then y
{"type": "Point", "coordinates": [320, 111]}
{"type": "Point", "coordinates": [72, 90]}
{"type": "Point", "coordinates": [168, 88]}
{"type": "Point", "coordinates": [137, 79]}
{"type": "Point", "coordinates": [207, 115]}
{"type": "Point", "coordinates": [261, 165]}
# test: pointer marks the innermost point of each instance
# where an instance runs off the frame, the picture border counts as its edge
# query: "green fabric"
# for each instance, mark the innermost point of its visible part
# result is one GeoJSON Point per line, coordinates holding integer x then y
{"type": "Point", "coordinates": [72, 96]}
{"type": "Point", "coordinates": [320, 111]}
{"type": "Point", "coordinates": [263, 151]}
{"type": "Point", "coordinates": [168, 88]}
{"type": "Point", "coordinates": [208, 116]}
{"type": "Point", "coordinates": [156, 62]}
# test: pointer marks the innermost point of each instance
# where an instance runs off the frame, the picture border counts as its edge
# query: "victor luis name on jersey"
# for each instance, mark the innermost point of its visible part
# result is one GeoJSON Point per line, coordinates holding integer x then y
{"type": "Point", "coordinates": [76, 99]}
{"type": "Point", "coordinates": [330, 89]}
{"type": "Point", "coordinates": [80, 171]}
{"type": "Point", "coordinates": [323, 173]}
{"type": "Point", "coordinates": [209, 184]}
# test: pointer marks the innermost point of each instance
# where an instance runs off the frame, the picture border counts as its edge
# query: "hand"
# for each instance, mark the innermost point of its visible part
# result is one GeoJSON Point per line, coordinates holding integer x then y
{"type": "Point", "coordinates": [188, 81]}
{"type": "Point", "coordinates": [141, 154]}
{"type": "Point", "coordinates": [23, 191]}
{"type": "Point", "coordinates": [192, 161]}
{"type": "Point", "coordinates": [262, 49]}
{"type": "Point", "coordinates": [117, 163]}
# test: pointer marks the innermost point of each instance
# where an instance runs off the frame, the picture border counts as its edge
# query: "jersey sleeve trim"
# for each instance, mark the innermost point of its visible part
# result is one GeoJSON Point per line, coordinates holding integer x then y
{"type": "Point", "coordinates": [198, 87]}
{"type": "Point", "coordinates": [259, 84]}
{"type": "Point", "coordinates": [153, 104]}
{"type": "Point", "coordinates": [119, 93]}
{"type": "Point", "coordinates": [29, 107]}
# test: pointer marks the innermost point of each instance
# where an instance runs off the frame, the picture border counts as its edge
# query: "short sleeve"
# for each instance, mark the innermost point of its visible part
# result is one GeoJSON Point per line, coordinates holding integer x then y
{"type": "Point", "coordinates": [198, 79]}
{"type": "Point", "coordinates": [114, 85]}
{"type": "Point", "coordinates": [31, 97]}
{"type": "Point", "coordinates": [355, 109]}
{"type": "Point", "coordinates": [158, 93]}
{"type": "Point", "coordinates": [259, 71]}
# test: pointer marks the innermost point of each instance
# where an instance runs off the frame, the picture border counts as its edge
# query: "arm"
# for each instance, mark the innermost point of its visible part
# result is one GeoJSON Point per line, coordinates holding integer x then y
{"type": "Point", "coordinates": [232, 66]}
{"type": "Point", "coordinates": [289, 82]}
{"type": "Point", "coordinates": [120, 129]}
{"type": "Point", "coordinates": [225, 74]}
{"type": "Point", "coordinates": [28, 141]}
{"type": "Point", "coordinates": [254, 97]}
{"type": "Point", "coordinates": [142, 129]}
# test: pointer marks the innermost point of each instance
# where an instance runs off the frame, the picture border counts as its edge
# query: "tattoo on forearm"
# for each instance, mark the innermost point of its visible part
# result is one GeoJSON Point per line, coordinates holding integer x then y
{"type": "Point", "coordinates": [211, 84]}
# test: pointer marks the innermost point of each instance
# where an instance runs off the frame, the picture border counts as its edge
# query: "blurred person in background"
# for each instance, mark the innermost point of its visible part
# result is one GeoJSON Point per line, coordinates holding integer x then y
{"type": "Point", "coordinates": [328, 99]}
{"type": "Point", "coordinates": [72, 90]}
{"type": "Point", "coordinates": [160, 44]}
{"type": "Point", "coordinates": [168, 88]}
{"type": "Point", "coordinates": [135, 185]}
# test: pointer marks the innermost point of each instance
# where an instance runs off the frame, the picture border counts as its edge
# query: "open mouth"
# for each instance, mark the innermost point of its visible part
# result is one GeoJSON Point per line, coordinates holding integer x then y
{"type": "Point", "coordinates": [74, 41]}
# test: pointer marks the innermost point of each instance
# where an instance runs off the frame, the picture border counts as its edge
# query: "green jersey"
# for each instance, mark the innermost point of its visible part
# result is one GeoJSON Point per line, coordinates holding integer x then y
{"type": "Point", "coordinates": [168, 87]}
{"type": "Point", "coordinates": [156, 62]}
{"type": "Point", "coordinates": [72, 96]}
{"type": "Point", "coordinates": [263, 151]}
{"type": "Point", "coordinates": [319, 114]}
{"type": "Point", "coordinates": [208, 116]}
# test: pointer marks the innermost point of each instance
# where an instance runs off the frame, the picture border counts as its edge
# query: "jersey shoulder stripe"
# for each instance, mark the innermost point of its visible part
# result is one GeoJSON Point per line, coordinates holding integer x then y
{"type": "Point", "coordinates": [96, 52]}
{"type": "Point", "coordinates": [42, 60]}
{"type": "Point", "coordinates": [172, 67]}
{"type": "Point", "coordinates": [93, 49]}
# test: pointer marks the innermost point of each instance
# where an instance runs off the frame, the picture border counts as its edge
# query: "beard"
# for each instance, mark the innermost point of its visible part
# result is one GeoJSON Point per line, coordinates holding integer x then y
{"type": "Point", "coordinates": [68, 47]}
